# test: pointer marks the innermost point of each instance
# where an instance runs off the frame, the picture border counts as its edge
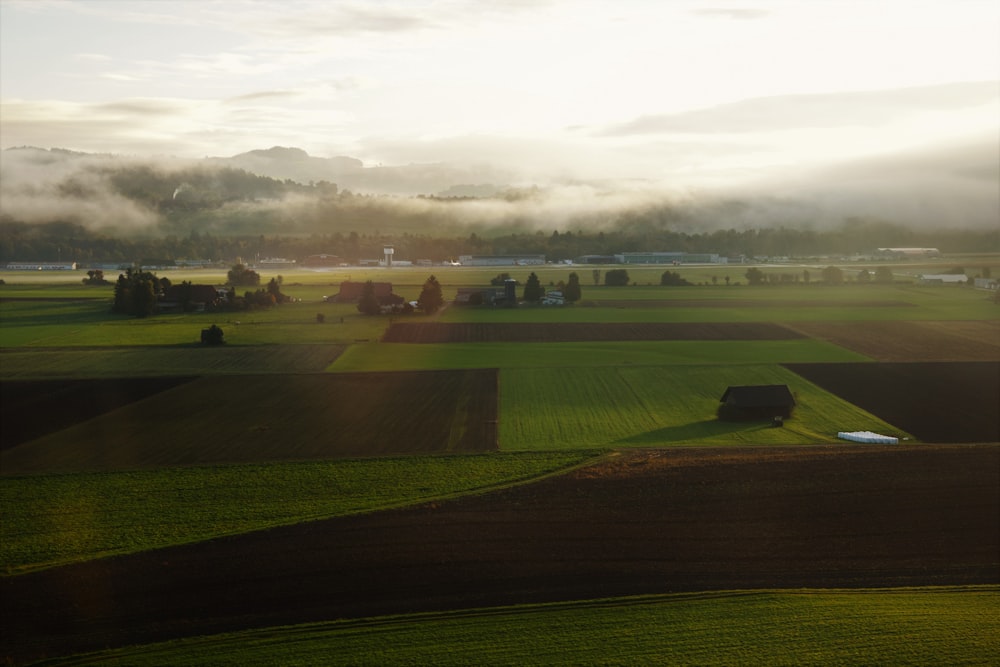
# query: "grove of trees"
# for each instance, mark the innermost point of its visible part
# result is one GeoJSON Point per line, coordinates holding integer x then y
{"type": "Point", "coordinates": [616, 277]}
{"type": "Point", "coordinates": [137, 292]}
{"type": "Point", "coordinates": [431, 298]}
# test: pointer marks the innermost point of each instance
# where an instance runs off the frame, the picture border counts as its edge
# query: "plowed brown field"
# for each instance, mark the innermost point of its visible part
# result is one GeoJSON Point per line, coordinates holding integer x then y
{"type": "Point", "coordinates": [440, 332]}
{"type": "Point", "coordinates": [911, 341]}
{"type": "Point", "coordinates": [935, 401]}
{"type": "Point", "coordinates": [641, 522]}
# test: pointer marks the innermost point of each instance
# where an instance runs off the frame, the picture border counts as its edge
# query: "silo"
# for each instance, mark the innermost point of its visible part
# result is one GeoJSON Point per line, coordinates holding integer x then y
{"type": "Point", "coordinates": [510, 292]}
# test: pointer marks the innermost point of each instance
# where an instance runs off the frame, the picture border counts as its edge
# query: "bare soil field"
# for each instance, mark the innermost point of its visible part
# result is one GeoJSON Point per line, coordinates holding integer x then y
{"type": "Point", "coordinates": [935, 401]}
{"type": "Point", "coordinates": [837, 516]}
{"type": "Point", "coordinates": [440, 332]}
{"type": "Point", "coordinates": [257, 418]}
{"type": "Point", "coordinates": [911, 341]}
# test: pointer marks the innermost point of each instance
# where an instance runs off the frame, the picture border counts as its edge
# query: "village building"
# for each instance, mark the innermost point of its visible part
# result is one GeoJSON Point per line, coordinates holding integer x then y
{"type": "Point", "coordinates": [190, 298]}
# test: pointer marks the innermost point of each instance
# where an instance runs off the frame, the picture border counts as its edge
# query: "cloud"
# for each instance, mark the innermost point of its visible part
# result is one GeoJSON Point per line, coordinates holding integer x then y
{"type": "Point", "coordinates": [263, 95]}
{"type": "Point", "coordinates": [785, 112]}
{"type": "Point", "coordinates": [731, 13]}
{"type": "Point", "coordinates": [139, 108]}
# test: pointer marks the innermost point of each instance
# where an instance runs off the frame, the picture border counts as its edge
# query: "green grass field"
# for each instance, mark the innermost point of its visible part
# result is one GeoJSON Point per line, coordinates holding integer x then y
{"type": "Point", "coordinates": [648, 406]}
{"type": "Point", "coordinates": [85, 321]}
{"type": "Point", "coordinates": [561, 404]}
{"type": "Point", "coordinates": [56, 519]}
{"type": "Point", "coordinates": [402, 356]}
{"type": "Point", "coordinates": [929, 626]}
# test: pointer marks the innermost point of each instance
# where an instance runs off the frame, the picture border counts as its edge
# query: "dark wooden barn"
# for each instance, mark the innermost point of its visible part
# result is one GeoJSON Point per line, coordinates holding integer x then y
{"type": "Point", "coordinates": [760, 401]}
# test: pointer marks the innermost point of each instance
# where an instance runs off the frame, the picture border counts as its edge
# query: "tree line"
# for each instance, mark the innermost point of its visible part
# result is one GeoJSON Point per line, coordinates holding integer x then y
{"type": "Point", "coordinates": [63, 241]}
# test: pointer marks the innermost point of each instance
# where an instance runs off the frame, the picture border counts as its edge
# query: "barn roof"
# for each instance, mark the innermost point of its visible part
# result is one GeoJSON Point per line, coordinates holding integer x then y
{"type": "Point", "coordinates": [758, 396]}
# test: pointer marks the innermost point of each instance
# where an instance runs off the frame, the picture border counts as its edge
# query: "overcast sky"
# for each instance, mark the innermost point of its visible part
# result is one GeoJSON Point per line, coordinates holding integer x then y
{"type": "Point", "coordinates": [677, 91]}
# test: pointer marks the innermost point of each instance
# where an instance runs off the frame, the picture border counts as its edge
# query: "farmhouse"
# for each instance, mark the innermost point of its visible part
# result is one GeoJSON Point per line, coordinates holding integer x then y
{"type": "Point", "coordinates": [188, 297]}
{"type": "Point", "coordinates": [351, 291]}
{"type": "Point", "coordinates": [553, 298]}
{"type": "Point", "coordinates": [749, 402]}
{"type": "Point", "coordinates": [478, 296]}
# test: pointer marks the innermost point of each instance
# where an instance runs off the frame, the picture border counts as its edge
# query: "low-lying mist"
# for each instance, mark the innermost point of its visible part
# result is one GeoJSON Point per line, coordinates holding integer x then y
{"type": "Point", "coordinates": [955, 187]}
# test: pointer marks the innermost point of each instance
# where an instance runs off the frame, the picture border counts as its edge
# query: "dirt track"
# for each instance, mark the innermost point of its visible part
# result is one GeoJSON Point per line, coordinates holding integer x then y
{"type": "Point", "coordinates": [641, 522]}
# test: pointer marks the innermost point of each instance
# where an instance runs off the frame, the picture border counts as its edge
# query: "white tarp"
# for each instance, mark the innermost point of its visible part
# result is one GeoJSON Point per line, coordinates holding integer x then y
{"type": "Point", "coordinates": [867, 436]}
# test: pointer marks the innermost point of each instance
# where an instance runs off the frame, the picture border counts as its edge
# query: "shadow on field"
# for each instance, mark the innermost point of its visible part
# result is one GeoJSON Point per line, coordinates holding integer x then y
{"type": "Point", "coordinates": [708, 428]}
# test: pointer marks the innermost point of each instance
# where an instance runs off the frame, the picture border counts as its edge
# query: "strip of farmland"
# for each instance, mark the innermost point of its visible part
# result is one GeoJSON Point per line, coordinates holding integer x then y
{"type": "Point", "coordinates": [936, 402]}
{"type": "Point", "coordinates": [977, 340]}
{"type": "Point", "coordinates": [643, 522]}
{"type": "Point", "coordinates": [249, 419]}
{"type": "Point", "coordinates": [26, 363]}
{"type": "Point", "coordinates": [519, 332]}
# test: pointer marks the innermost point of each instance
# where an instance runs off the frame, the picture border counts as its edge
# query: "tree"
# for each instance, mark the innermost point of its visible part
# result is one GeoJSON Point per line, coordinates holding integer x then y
{"type": "Point", "coordinates": [864, 276]}
{"type": "Point", "coordinates": [274, 289]}
{"type": "Point", "coordinates": [674, 279]}
{"type": "Point", "coordinates": [431, 298]}
{"type": "Point", "coordinates": [212, 336]}
{"type": "Point", "coordinates": [368, 303]}
{"type": "Point", "coordinates": [243, 276]}
{"type": "Point", "coordinates": [596, 273]}
{"type": "Point", "coordinates": [533, 290]}
{"type": "Point", "coordinates": [572, 292]}
{"type": "Point", "coordinates": [616, 278]}
{"type": "Point", "coordinates": [755, 276]}
{"type": "Point", "coordinates": [805, 276]}
{"type": "Point", "coordinates": [832, 275]}
{"type": "Point", "coordinates": [883, 275]}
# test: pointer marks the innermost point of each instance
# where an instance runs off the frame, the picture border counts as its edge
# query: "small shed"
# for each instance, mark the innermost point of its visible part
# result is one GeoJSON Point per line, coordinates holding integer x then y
{"type": "Point", "coordinates": [758, 401]}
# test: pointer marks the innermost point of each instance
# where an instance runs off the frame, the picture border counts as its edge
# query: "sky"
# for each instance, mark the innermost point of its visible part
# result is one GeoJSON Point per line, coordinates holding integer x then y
{"type": "Point", "coordinates": [682, 92]}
